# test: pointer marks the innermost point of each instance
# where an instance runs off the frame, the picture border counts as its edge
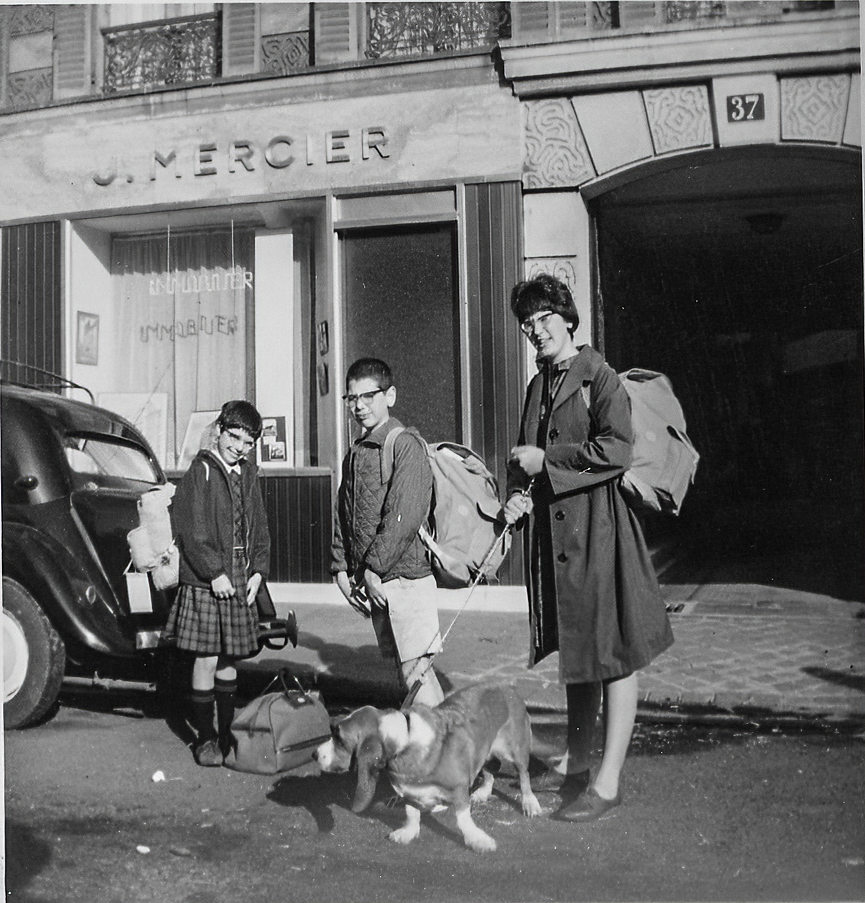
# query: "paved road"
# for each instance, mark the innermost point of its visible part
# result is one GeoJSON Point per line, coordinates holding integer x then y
{"type": "Point", "coordinates": [709, 814]}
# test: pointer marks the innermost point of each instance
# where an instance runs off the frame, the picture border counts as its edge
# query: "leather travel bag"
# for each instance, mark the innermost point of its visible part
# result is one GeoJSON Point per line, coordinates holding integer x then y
{"type": "Point", "coordinates": [278, 731]}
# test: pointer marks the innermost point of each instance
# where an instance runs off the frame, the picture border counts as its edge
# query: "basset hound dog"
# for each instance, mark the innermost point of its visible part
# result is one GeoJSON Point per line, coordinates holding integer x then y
{"type": "Point", "coordinates": [433, 755]}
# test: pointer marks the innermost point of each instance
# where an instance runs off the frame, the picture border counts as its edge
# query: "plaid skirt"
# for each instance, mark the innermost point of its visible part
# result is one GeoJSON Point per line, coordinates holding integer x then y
{"type": "Point", "coordinates": [203, 624]}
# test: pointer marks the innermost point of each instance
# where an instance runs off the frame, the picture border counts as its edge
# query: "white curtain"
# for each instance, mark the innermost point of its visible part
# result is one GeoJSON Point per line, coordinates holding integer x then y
{"type": "Point", "coordinates": [181, 301]}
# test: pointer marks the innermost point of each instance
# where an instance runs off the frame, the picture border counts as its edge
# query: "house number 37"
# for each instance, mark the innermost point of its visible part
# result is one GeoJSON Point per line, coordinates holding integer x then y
{"type": "Point", "coordinates": [745, 107]}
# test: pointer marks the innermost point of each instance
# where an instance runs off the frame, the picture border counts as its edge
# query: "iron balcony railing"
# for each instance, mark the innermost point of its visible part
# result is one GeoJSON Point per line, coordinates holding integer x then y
{"type": "Point", "coordinates": [188, 50]}
{"type": "Point", "coordinates": [168, 52]}
{"type": "Point", "coordinates": [415, 29]}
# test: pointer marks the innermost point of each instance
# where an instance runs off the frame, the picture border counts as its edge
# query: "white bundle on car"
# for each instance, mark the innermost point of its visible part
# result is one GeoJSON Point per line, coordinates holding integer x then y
{"type": "Point", "coordinates": [151, 544]}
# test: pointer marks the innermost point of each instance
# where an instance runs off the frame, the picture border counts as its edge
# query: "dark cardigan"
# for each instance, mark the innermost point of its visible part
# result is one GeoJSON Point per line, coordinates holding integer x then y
{"type": "Point", "coordinates": [203, 522]}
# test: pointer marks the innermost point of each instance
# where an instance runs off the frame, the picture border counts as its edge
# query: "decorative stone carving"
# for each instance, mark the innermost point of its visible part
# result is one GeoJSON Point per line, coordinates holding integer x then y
{"type": "Point", "coordinates": [556, 155]}
{"type": "Point", "coordinates": [29, 89]}
{"type": "Point", "coordinates": [30, 20]}
{"type": "Point", "coordinates": [813, 107]}
{"type": "Point", "coordinates": [284, 53]}
{"type": "Point", "coordinates": [679, 118]}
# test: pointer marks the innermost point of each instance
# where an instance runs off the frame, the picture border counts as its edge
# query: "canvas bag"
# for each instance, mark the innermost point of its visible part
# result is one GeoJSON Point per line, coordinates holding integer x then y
{"type": "Point", "coordinates": [278, 731]}
{"type": "Point", "coordinates": [664, 461]}
{"type": "Point", "coordinates": [464, 521]}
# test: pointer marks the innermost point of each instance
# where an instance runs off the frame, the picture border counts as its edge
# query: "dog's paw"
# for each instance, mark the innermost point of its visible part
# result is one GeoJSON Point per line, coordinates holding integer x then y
{"type": "Point", "coordinates": [479, 841]}
{"type": "Point", "coordinates": [405, 834]}
{"type": "Point", "coordinates": [531, 807]}
{"type": "Point", "coordinates": [482, 794]}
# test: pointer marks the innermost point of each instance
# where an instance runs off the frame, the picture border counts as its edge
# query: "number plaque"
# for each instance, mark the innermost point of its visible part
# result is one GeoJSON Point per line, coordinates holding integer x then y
{"type": "Point", "coordinates": [745, 107]}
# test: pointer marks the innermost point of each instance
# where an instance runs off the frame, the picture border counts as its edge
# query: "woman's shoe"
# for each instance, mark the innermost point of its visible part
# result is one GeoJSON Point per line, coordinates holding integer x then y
{"type": "Point", "coordinates": [588, 807]}
{"type": "Point", "coordinates": [568, 786]}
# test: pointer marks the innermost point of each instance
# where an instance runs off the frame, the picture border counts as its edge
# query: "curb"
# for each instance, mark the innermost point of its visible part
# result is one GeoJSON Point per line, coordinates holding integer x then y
{"type": "Point", "coordinates": [342, 692]}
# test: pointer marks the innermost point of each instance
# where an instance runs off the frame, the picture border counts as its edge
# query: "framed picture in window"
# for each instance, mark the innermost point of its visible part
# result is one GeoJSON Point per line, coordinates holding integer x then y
{"type": "Point", "coordinates": [87, 338]}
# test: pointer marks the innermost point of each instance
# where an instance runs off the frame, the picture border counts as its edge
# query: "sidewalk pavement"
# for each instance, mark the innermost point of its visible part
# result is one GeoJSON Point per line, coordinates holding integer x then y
{"type": "Point", "coordinates": [743, 654]}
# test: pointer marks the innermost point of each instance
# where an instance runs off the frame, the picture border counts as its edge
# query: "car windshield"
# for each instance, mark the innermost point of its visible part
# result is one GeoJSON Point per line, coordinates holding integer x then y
{"type": "Point", "coordinates": [91, 457]}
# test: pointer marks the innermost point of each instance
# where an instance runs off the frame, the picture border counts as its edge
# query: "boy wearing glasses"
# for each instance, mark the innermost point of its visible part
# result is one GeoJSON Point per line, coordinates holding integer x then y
{"type": "Point", "coordinates": [221, 531]}
{"type": "Point", "coordinates": [379, 561]}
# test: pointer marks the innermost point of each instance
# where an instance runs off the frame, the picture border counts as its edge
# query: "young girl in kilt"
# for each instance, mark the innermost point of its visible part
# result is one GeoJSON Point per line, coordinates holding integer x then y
{"type": "Point", "coordinates": [221, 530]}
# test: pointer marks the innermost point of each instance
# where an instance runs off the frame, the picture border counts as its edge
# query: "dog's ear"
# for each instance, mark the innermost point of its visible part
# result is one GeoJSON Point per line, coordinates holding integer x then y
{"type": "Point", "coordinates": [370, 761]}
{"type": "Point", "coordinates": [351, 730]}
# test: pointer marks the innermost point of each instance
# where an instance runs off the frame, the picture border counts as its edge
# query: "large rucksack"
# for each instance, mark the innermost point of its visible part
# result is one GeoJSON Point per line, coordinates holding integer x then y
{"type": "Point", "coordinates": [664, 459]}
{"type": "Point", "coordinates": [464, 521]}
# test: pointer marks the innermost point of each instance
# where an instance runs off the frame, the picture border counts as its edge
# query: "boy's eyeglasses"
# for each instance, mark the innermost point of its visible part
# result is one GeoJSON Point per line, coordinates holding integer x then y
{"type": "Point", "coordinates": [238, 439]}
{"type": "Point", "coordinates": [541, 319]}
{"type": "Point", "coordinates": [365, 397]}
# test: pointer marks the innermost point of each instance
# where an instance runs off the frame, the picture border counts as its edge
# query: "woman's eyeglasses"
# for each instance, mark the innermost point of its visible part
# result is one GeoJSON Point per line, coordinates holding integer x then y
{"type": "Point", "coordinates": [365, 397]}
{"type": "Point", "coordinates": [528, 326]}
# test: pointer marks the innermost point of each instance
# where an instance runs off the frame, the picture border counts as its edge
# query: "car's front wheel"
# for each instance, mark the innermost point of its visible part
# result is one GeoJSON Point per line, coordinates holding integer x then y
{"type": "Point", "coordinates": [34, 658]}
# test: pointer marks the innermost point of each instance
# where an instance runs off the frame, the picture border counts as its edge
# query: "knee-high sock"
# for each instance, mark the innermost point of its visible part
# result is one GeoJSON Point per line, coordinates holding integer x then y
{"type": "Point", "coordinates": [225, 692]}
{"type": "Point", "coordinates": [202, 714]}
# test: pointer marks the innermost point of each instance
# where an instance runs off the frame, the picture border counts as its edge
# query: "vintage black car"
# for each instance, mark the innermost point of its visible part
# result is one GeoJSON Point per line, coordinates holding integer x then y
{"type": "Point", "coordinates": [72, 474]}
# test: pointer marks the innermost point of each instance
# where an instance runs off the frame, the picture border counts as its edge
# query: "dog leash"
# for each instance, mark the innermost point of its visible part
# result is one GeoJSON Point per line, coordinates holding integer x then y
{"type": "Point", "coordinates": [479, 575]}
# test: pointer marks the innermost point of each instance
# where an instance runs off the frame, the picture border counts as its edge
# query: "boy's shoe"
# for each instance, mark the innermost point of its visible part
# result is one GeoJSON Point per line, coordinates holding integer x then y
{"type": "Point", "coordinates": [208, 754]}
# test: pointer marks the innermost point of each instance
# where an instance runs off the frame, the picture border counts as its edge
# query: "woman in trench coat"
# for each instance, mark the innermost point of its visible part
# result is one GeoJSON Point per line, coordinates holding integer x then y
{"type": "Point", "coordinates": [593, 593]}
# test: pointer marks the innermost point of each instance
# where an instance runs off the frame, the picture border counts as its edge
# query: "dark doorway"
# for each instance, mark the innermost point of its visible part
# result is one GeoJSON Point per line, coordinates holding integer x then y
{"type": "Point", "coordinates": [401, 305]}
{"type": "Point", "coordinates": [742, 280]}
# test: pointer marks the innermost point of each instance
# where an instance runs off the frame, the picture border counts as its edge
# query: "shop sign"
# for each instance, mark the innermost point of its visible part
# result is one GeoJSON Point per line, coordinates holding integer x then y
{"type": "Point", "coordinates": [280, 152]}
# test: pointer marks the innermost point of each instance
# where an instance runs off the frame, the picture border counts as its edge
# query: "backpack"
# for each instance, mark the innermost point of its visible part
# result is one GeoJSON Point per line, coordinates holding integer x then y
{"type": "Point", "coordinates": [464, 522]}
{"type": "Point", "coordinates": [664, 460]}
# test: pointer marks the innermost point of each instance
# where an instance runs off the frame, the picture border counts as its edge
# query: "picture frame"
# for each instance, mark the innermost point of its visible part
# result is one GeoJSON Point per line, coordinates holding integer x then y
{"type": "Point", "coordinates": [87, 338]}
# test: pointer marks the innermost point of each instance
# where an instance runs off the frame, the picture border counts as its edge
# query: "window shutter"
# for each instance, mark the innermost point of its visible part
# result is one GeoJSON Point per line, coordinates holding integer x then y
{"type": "Point", "coordinates": [336, 32]}
{"type": "Point", "coordinates": [636, 15]}
{"type": "Point", "coordinates": [72, 56]}
{"type": "Point", "coordinates": [241, 41]}
{"type": "Point", "coordinates": [532, 20]}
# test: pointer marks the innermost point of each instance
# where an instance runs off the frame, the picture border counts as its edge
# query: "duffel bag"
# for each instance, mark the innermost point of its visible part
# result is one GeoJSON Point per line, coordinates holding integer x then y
{"type": "Point", "coordinates": [278, 731]}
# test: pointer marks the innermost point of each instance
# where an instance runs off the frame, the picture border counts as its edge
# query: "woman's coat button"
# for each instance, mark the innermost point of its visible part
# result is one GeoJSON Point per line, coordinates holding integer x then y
{"type": "Point", "coordinates": [560, 515]}
{"type": "Point", "coordinates": [562, 557]}
{"type": "Point", "coordinates": [554, 433]}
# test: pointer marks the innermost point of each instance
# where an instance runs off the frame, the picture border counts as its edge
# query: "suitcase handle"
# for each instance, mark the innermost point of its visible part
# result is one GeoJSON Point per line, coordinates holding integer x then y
{"type": "Point", "coordinates": [283, 676]}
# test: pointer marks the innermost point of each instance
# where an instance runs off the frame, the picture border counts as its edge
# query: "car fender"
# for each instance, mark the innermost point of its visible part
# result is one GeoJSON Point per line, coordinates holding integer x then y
{"type": "Point", "coordinates": [60, 584]}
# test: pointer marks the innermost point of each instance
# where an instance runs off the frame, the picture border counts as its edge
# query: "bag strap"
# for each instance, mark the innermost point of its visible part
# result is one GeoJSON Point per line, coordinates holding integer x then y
{"type": "Point", "coordinates": [388, 453]}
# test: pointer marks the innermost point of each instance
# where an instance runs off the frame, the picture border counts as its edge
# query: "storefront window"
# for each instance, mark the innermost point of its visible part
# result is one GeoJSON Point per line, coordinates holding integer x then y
{"type": "Point", "coordinates": [181, 303]}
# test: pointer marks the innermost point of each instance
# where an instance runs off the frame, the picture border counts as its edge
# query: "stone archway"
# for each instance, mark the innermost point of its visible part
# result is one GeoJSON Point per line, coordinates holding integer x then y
{"type": "Point", "coordinates": [748, 293]}
{"type": "Point", "coordinates": [737, 269]}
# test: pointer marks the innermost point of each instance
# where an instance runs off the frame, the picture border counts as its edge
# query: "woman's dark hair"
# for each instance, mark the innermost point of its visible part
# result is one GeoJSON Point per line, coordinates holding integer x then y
{"type": "Point", "coordinates": [544, 292]}
{"type": "Point", "coordinates": [240, 415]}
{"type": "Point", "coordinates": [370, 368]}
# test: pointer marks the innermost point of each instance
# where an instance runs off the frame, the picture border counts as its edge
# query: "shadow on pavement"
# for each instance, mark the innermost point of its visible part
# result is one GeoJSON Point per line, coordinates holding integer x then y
{"type": "Point", "coordinates": [840, 678]}
{"type": "Point", "coordinates": [26, 857]}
